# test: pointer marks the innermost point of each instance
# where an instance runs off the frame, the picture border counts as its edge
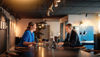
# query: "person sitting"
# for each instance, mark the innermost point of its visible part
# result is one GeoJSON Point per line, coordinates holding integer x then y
{"type": "Point", "coordinates": [72, 39]}
{"type": "Point", "coordinates": [28, 39]}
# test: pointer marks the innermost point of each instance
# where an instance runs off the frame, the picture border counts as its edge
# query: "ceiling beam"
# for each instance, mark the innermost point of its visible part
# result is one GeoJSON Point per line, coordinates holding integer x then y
{"type": "Point", "coordinates": [74, 10]}
{"type": "Point", "coordinates": [77, 7]}
{"type": "Point", "coordinates": [81, 0]}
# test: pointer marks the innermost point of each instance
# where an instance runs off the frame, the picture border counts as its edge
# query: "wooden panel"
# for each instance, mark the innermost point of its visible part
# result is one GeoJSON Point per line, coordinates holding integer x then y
{"type": "Point", "coordinates": [3, 40]}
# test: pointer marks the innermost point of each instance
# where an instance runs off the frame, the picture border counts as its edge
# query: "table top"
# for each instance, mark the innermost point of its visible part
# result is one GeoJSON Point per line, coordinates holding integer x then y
{"type": "Point", "coordinates": [58, 52]}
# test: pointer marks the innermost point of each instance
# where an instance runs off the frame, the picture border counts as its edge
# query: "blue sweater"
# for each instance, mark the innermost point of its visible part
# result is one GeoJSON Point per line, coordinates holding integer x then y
{"type": "Point", "coordinates": [27, 37]}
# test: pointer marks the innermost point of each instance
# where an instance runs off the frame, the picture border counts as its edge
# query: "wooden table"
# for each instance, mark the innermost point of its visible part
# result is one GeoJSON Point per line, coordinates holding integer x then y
{"type": "Point", "coordinates": [59, 52]}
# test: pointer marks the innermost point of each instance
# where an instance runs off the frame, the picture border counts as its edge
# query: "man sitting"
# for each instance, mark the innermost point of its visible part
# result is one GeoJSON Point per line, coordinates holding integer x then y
{"type": "Point", "coordinates": [72, 39]}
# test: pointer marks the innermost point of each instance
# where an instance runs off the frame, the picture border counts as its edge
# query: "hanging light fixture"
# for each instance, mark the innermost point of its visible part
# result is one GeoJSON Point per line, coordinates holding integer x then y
{"type": "Point", "coordinates": [54, 4]}
{"type": "Point", "coordinates": [58, 1]}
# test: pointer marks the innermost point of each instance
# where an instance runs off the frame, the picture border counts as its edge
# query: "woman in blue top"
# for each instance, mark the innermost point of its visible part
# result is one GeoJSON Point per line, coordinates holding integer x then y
{"type": "Point", "coordinates": [28, 39]}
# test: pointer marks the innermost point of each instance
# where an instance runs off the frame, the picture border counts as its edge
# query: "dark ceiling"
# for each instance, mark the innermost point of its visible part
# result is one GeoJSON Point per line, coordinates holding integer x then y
{"type": "Point", "coordinates": [39, 8]}
{"type": "Point", "coordinates": [78, 7]}
{"type": "Point", "coordinates": [27, 8]}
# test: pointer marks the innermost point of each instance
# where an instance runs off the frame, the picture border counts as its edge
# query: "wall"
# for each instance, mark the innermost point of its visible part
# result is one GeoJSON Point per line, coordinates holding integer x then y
{"type": "Point", "coordinates": [63, 20]}
{"type": "Point", "coordinates": [7, 35]}
{"type": "Point", "coordinates": [54, 28]}
{"type": "Point", "coordinates": [12, 29]}
{"type": "Point", "coordinates": [3, 38]}
{"type": "Point", "coordinates": [88, 20]}
{"type": "Point", "coordinates": [22, 24]}
{"type": "Point", "coordinates": [53, 22]}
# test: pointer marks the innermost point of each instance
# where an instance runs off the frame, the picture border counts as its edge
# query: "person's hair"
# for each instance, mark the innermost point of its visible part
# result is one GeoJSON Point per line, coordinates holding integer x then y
{"type": "Point", "coordinates": [29, 25]}
{"type": "Point", "coordinates": [69, 25]}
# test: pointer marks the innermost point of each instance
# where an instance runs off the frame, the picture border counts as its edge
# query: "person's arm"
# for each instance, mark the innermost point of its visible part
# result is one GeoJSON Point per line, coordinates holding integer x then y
{"type": "Point", "coordinates": [60, 43]}
{"type": "Point", "coordinates": [28, 43]}
{"type": "Point", "coordinates": [65, 42]}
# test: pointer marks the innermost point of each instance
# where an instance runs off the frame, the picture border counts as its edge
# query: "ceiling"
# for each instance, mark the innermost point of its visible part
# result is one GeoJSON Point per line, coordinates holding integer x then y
{"type": "Point", "coordinates": [78, 7]}
{"type": "Point", "coordinates": [39, 8]}
{"type": "Point", "coordinates": [27, 8]}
